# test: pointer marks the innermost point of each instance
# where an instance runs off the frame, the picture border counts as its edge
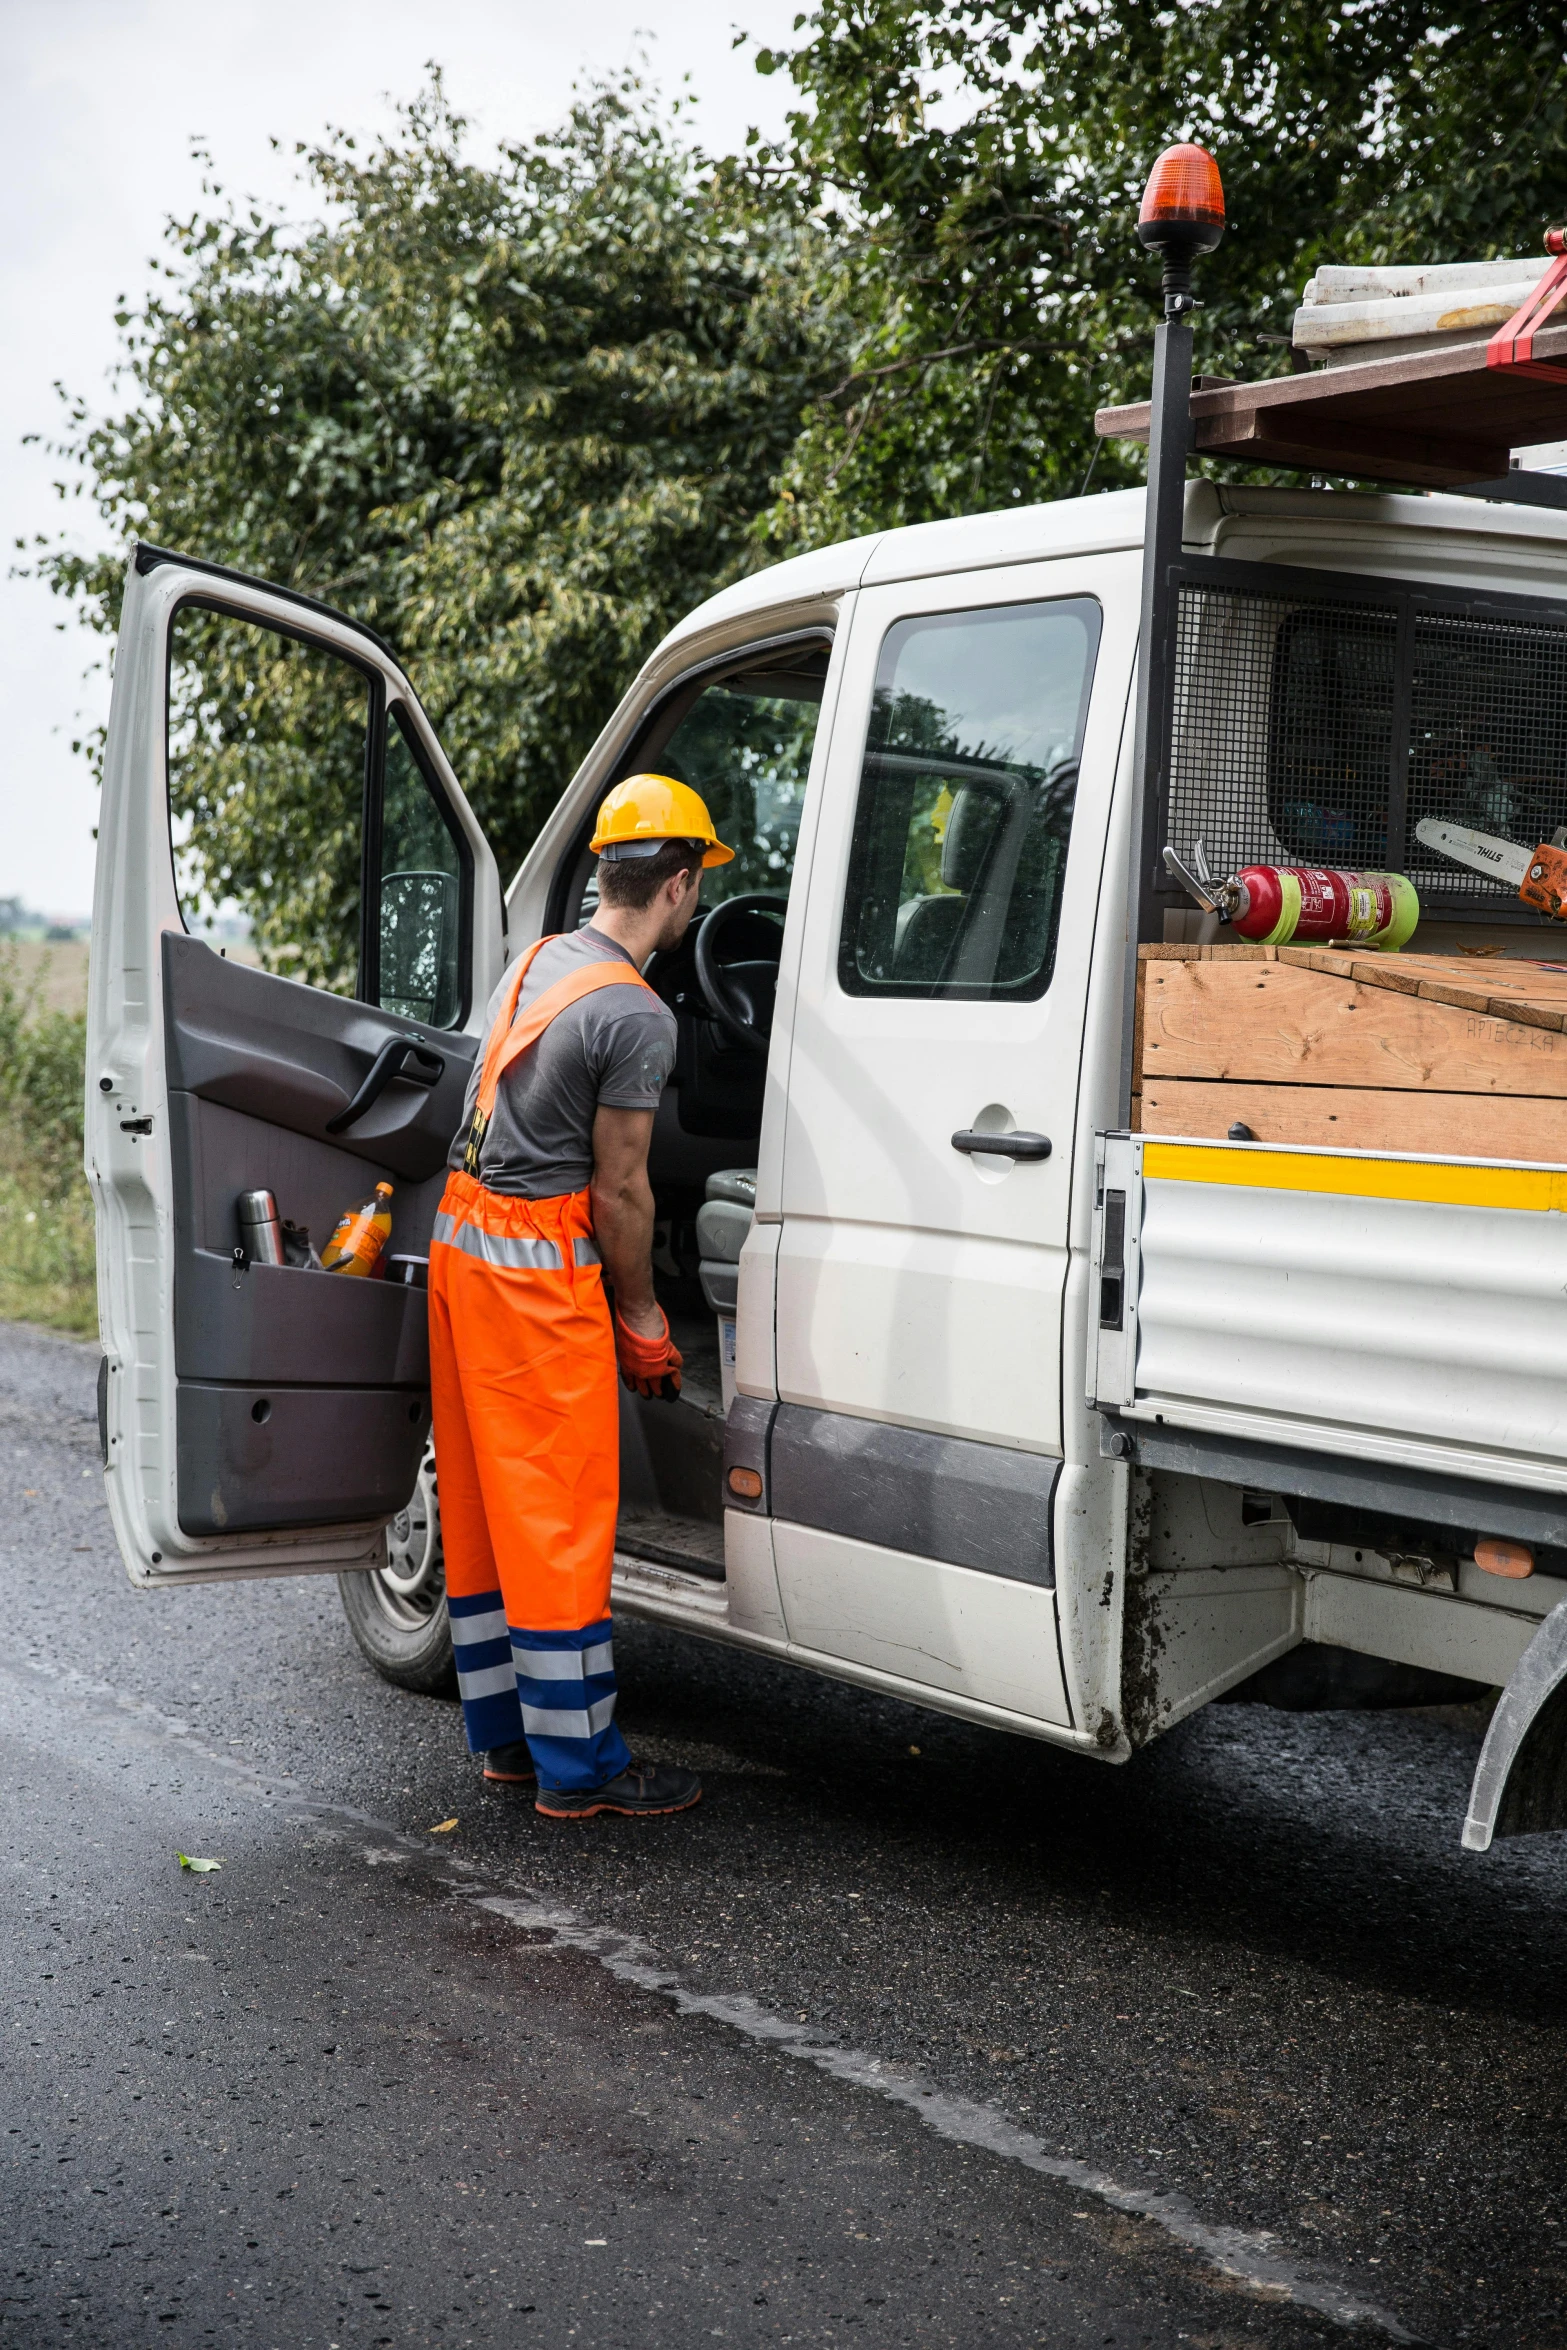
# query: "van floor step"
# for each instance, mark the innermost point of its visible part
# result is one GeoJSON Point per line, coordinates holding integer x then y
{"type": "Point", "coordinates": [694, 1545]}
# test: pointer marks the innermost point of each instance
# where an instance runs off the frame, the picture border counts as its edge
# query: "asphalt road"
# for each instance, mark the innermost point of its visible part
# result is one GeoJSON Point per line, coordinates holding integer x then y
{"type": "Point", "coordinates": [911, 2034]}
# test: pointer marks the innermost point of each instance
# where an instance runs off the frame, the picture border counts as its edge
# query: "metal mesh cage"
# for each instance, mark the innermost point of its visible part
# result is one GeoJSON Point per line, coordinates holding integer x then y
{"type": "Point", "coordinates": [1283, 726]}
{"type": "Point", "coordinates": [1310, 729]}
{"type": "Point", "coordinates": [1487, 739]}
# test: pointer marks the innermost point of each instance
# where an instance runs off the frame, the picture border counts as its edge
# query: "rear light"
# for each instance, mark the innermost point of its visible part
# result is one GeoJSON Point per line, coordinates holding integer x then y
{"type": "Point", "coordinates": [1500, 1557]}
{"type": "Point", "coordinates": [1182, 210]}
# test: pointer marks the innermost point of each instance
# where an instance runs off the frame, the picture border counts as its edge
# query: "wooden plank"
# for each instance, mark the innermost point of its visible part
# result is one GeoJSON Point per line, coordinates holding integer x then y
{"type": "Point", "coordinates": [1496, 1005]}
{"type": "Point", "coordinates": [1429, 459]}
{"type": "Point", "coordinates": [1445, 1125]}
{"type": "Point", "coordinates": [1517, 977]}
{"type": "Point", "coordinates": [1139, 1000]}
{"type": "Point", "coordinates": [1433, 418]}
{"type": "Point", "coordinates": [1280, 1024]}
{"type": "Point", "coordinates": [1528, 993]}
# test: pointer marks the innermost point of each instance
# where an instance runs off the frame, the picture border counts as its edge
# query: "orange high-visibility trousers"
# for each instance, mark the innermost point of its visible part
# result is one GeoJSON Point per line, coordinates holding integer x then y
{"type": "Point", "coordinates": [526, 1400]}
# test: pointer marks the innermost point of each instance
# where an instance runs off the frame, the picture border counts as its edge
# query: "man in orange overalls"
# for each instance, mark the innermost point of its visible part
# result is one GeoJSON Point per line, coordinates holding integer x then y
{"type": "Point", "coordinates": [548, 1194]}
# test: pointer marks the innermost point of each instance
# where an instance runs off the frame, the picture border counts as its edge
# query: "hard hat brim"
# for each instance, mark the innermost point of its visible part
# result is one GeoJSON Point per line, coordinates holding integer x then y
{"type": "Point", "coordinates": [713, 853]}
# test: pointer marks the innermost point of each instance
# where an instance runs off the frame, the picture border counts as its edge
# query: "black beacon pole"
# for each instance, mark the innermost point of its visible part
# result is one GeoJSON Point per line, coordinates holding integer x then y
{"type": "Point", "coordinates": [1182, 216]}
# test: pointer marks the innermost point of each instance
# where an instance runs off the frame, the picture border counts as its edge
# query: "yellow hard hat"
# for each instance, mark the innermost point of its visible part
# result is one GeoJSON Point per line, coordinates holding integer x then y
{"type": "Point", "coordinates": [640, 814]}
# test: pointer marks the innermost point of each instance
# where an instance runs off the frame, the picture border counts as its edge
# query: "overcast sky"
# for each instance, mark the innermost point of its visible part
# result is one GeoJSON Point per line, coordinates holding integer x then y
{"type": "Point", "coordinates": [99, 102]}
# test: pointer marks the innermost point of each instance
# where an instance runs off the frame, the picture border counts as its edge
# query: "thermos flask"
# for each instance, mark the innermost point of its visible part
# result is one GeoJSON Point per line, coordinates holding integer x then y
{"type": "Point", "coordinates": [259, 1228]}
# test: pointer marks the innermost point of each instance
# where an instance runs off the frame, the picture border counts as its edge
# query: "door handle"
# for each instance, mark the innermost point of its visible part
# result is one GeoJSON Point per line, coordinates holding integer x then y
{"type": "Point", "coordinates": [1016, 1145]}
{"type": "Point", "coordinates": [391, 1061]}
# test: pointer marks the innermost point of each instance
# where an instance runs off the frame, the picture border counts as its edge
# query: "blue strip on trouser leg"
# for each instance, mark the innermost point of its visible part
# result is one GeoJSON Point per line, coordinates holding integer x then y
{"type": "Point", "coordinates": [566, 1682]}
{"type": "Point", "coordinates": [486, 1676]}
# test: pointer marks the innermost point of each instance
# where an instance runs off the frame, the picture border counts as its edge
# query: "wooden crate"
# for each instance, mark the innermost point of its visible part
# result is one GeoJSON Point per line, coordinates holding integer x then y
{"type": "Point", "coordinates": [1409, 1052]}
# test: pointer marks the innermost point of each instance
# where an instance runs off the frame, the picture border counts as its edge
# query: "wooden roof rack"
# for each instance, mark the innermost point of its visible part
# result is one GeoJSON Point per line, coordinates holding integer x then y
{"type": "Point", "coordinates": [1443, 419]}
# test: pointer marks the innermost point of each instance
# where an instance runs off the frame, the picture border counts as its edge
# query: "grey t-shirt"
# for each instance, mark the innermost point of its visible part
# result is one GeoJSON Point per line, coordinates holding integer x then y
{"type": "Point", "coordinates": [613, 1049]}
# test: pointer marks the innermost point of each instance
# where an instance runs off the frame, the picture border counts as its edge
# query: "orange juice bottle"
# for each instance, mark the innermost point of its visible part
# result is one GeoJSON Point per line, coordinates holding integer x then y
{"type": "Point", "coordinates": [361, 1234]}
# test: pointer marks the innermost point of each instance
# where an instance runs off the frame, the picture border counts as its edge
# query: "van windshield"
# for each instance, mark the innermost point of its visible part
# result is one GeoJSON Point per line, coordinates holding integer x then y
{"type": "Point", "coordinates": [745, 744]}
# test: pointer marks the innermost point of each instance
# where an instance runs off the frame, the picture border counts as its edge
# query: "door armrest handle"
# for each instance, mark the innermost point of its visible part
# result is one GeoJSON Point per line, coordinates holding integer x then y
{"type": "Point", "coordinates": [1016, 1145]}
{"type": "Point", "coordinates": [391, 1061]}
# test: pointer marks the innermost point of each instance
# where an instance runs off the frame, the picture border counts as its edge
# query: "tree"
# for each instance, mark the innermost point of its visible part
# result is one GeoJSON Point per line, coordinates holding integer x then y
{"type": "Point", "coordinates": [982, 162]}
{"type": "Point", "coordinates": [517, 416]}
{"type": "Point", "coordinates": [521, 416]}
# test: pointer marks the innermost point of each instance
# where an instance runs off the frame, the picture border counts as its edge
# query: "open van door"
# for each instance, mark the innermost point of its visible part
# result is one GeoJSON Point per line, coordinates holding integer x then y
{"type": "Point", "coordinates": [265, 753]}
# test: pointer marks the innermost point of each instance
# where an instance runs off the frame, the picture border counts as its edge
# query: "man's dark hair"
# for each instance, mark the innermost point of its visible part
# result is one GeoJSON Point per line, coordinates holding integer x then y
{"type": "Point", "coordinates": [636, 881]}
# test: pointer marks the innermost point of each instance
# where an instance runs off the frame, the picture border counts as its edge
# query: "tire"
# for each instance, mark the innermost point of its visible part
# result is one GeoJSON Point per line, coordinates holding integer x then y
{"type": "Point", "coordinates": [398, 1613]}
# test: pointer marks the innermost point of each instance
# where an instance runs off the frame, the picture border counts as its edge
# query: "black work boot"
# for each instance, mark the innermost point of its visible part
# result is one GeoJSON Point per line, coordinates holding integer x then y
{"type": "Point", "coordinates": [641, 1792]}
{"type": "Point", "coordinates": [510, 1766]}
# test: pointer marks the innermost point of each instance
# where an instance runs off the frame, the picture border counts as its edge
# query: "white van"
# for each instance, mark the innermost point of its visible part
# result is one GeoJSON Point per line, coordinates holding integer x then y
{"type": "Point", "coordinates": [915, 1449]}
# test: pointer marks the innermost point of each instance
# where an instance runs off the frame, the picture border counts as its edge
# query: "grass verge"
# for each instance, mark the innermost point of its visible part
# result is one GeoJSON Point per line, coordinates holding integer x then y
{"type": "Point", "coordinates": [46, 1221]}
{"type": "Point", "coordinates": [47, 1266]}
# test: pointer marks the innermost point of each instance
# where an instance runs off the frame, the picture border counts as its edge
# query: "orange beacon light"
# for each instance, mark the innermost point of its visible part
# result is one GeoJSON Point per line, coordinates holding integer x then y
{"type": "Point", "coordinates": [1182, 211]}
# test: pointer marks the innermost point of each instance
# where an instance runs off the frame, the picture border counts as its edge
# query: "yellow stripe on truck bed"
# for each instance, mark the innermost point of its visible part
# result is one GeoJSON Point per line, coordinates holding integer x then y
{"type": "Point", "coordinates": [1443, 1182]}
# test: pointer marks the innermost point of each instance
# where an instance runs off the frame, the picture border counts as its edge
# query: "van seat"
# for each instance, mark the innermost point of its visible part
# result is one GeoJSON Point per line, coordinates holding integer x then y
{"type": "Point", "coordinates": [734, 1183]}
{"type": "Point", "coordinates": [722, 1222]}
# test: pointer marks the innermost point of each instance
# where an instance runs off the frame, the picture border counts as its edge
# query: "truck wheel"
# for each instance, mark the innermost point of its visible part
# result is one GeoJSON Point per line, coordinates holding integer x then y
{"type": "Point", "coordinates": [398, 1613]}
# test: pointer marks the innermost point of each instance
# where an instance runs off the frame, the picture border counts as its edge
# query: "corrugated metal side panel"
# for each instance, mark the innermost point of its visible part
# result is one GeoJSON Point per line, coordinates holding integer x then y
{"type": "Point", "coordinates": [1395, 1321]}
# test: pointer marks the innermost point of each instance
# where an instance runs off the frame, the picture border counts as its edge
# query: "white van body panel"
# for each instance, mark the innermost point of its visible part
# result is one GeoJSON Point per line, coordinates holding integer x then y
{"type": "Point", "coordinates": [947, 1628]}
{"type": "Point", "coordinates": [1309, 1311]}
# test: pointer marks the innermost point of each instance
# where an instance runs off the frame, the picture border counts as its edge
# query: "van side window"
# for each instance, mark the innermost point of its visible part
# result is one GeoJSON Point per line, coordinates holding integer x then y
{"type": "Point", "coordinates": [421, 893]}
{"type": "Point", "coordinates": [309, 835]}
{"type": "Point", "coordinates": [965, 802]}
{"type": "Point", "coordinates": [267, 746]}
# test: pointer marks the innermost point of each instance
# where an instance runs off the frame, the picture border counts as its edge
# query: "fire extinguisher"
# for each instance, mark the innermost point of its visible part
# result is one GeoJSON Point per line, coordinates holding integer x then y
{"type": "Point", "coordinates": [1273, 904]}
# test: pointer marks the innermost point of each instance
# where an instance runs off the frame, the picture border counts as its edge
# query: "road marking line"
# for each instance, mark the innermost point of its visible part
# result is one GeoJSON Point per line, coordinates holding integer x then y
{"type": "Point", "coordinates": [1250, 2257]}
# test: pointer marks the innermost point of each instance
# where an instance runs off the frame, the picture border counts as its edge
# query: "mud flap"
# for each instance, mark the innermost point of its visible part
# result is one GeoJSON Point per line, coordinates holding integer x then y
{"type": "Point", "coordinates": [1520, 1781]}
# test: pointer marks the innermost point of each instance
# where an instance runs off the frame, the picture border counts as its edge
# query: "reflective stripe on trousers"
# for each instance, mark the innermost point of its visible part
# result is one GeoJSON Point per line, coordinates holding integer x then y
{"type": "Point", "coordinates": [520, 1253]}
{"type": "Point", "coordinates": [556, 1689]}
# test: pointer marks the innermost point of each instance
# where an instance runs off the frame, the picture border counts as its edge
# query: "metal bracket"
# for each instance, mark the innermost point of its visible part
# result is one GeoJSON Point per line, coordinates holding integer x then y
{"type": "Point", "coordinates": [1432, 1574]}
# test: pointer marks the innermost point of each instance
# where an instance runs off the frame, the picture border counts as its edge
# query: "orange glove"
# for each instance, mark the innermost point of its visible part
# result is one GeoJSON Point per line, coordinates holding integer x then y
{"type": "Point", "coordinates": [649, 1365]}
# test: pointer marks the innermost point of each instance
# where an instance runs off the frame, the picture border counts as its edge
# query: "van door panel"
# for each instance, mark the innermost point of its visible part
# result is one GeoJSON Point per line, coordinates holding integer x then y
{"type": "Point", "coordinates": [942, 986]}
{"type": "Point", "coordinates": [296, 1056]}
{"type": "Point", "coordinates": [260, 1419]}
{"type": "Point", "coordinates": [917, 1283]}
{"type": "Point", "coordinates": [922, 1327]}
{"type": "Point", "coordinates": [253, 1458]}
{"type": "Point", "coordinates": [268, 1321]}
{"type": "Point", "coordinates": [972, 1635]}
{"type": "Point", "coordinates": [257, 1065]}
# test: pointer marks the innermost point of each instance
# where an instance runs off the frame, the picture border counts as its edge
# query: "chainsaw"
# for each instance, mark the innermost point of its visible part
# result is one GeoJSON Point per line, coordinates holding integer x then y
{"type": "Point", "coordinates": [1539, 874]}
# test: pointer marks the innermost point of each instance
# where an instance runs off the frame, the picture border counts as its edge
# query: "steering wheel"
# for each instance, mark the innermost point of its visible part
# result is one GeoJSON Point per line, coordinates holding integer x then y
{"type": "Point", "coordinates": [738, 995]}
